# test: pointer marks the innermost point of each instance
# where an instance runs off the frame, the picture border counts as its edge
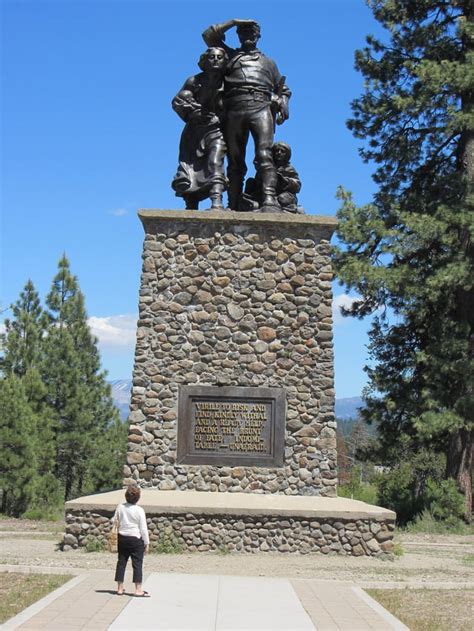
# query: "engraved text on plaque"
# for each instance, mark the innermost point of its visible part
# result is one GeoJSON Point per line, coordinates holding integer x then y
{"type": "Point", "coordinates": [231, 425]}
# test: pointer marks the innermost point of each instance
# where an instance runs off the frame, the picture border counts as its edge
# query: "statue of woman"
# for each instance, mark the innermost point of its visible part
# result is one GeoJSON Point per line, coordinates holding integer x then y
{"type": "Point", "coordinates": [202, 147]}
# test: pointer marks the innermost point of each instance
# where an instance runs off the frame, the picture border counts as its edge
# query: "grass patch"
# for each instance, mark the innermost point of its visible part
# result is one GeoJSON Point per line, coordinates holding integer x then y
{"type": "Point", "coordinates": [93, 544]}
{"type": "Point", "coordinates": [468, 559]}
{"type": "Point", "coordinates": [32, 536]}
{"type": "Point", "coordinates": [223, 549]}
{"type": "Point", "coordinates": [42, 514]}
{"type": "Point", "coordinates": [364, 492]}
{"type": "Point", "coordinates": [167, 543]}
{"type": "Point", "coordinates": [429, 609]}
{"type": "Point", "coordinates": [18, 591]}
{"type": "Point", "coordinates": [30, 525]}
{"type": "Point", "coordinates": [427, 524]}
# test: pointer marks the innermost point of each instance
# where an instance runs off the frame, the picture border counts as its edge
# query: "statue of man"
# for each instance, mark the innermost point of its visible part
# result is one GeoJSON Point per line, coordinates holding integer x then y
{"type": "Point", "coordinates": [255, 97]}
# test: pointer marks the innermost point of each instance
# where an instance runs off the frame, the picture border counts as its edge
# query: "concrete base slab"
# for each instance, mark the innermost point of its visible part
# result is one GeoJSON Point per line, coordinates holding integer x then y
{"type": "Point", "coordinates": [179, 502]}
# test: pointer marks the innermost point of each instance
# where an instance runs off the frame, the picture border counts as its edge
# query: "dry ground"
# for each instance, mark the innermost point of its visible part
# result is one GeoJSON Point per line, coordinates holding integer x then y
{"type": "Point", "coordinates": [432, 580]}
{"type": "Point", "coordinates": [426, 559]}
{"type": "Point", "coordinates": [429, 609]}
{"type": "Point", "coordinates": [18, 591]}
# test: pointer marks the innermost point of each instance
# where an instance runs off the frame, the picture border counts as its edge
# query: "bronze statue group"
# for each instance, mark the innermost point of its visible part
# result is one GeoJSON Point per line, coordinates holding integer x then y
{"type": "Point", "coordinates": [239, 92]}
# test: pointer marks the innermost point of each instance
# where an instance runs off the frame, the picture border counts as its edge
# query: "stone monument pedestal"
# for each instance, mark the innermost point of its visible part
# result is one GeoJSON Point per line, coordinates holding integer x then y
{"type": "Point", "coordinates": [234, 303]}
{"type": "Point", "coordinates": [232, 434]}
{"type": "Point", "coordinates": [242, 522]}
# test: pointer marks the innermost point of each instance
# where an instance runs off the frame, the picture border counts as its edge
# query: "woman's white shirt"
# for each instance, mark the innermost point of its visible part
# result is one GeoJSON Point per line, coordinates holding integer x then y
{"type": "Point", "coordinates": [132, 521]}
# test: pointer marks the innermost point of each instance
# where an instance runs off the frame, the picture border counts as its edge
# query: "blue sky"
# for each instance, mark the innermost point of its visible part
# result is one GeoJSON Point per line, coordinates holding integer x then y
{"type": "Point", "coordinates": [88, 137]}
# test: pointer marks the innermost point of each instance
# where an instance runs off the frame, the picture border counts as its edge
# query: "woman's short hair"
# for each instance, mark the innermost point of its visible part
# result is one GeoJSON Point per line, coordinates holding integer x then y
{"type": "Point", "coordinates": [132, 494]}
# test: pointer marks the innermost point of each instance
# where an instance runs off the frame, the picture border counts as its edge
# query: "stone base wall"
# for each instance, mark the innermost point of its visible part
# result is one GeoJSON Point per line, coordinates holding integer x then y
{"type": "Point", "coordinates": [235, 299]}
{"type": "Point", "coordinates": [248, 534]}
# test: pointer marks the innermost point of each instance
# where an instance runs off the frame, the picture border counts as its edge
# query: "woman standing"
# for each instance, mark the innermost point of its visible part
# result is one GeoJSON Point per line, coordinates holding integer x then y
{"type": "Point", "coordinates": [202, 147]}
{"type": "Point", "coordinates": [133, 540]}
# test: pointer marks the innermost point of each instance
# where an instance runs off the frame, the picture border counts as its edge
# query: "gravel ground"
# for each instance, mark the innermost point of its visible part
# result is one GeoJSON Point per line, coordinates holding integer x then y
{"type": "Point", "coordinates": [426, 559]}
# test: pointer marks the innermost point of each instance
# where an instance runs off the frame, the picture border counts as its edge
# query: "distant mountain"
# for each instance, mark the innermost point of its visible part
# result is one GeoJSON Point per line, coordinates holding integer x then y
{"type": "Point", "coordinates": [121, 388]}
{"type": "Point", "coordinates": [348, 407]}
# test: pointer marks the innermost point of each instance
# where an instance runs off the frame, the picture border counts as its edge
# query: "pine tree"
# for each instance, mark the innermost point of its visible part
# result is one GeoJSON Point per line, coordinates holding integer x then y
{"type": "Point", "coordinates": [17, 464]}
{"type": "Point", "coordinates": [105, 470]}
{"type": "Point", "coordinates": [411, 249]}
{"type": "Point", "coordinates": [21, 342]}
{"type": "Point", "coordinates": [22, 348]}
{"type": "Point", "coordinates": [47, 492]}
{"type": "Point", "coordinates": [77, 390]}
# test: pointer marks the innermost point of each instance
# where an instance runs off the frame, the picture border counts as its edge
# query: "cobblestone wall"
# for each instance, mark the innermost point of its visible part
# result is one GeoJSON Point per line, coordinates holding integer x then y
{"type": "Point", "coordinates": [243, 300]}
{"type": "Point", "coordinates": [251, 533]}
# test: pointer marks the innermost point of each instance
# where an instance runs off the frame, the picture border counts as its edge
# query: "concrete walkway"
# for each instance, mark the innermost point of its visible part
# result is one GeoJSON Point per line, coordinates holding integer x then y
{"type": "Point", "coordinates": [203, 602]}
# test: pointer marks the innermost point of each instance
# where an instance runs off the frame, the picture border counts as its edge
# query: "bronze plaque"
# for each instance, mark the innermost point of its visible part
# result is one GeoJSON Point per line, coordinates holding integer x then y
{"type": "Point", "coordinates": [231, 426]}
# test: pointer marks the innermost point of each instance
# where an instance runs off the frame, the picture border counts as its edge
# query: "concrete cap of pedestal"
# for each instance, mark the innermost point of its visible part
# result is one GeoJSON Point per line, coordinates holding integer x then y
{"type": "Point", "coordinates": [322, 225]}
{"type": "Point", "coordinates": [201, 502]}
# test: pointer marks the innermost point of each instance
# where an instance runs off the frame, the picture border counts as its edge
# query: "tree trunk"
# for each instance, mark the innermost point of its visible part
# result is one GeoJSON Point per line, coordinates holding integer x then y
{"type": "Point", "coordinates": [460, 452]}
{"type": "Point", "coordinates": [459, 466]}
{"type": "Point", "coordinates": [68, 482]}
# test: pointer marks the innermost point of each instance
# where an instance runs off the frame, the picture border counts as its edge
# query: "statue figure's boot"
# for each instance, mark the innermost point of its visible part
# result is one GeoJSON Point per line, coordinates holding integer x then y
{"type": "Point", "coordinates": [216, 198]}
{"type": "Point", "coordinates": [269, 202]}
{"type": "Point", "coordinates": [234, 193]}
{"type": "Point", "coordinates": [191, 202]}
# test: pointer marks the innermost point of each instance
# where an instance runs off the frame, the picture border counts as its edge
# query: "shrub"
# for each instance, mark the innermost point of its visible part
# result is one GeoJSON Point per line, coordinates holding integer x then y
{"type": "Point", "coordinates": [47, 498]}
{"type": "Point", "coordinates": [395, 492]}
{"type": "Point", "coordinates": [94, 544]}
{"type": "Point", "coordinates": [427, 524]}
{"type": "Point", "coordinates": [44, 514]}
{"type": "Point", "coordinates": [356, 487]}
{"type": "Point", "coordinates": [404, 488]}
{"type": "Point", "coordinates": [168, 543]}
{"type": "Point", "coordinates": [445, 501]}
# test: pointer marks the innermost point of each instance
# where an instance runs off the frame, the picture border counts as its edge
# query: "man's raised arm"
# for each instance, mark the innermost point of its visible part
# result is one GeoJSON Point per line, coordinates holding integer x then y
{"type": "Point", "coordinates": [214, 35]}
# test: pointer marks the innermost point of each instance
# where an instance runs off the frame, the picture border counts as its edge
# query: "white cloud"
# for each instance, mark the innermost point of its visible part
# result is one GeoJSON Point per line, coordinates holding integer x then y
{"type": "Point", "coordinates": [3, 328]}
{"type": "Point", "coordinates": [118, 212]}
{"type": "Point", "coordinates": [114, 331]}
{"type": "Point", "coordinates": [343, 300]}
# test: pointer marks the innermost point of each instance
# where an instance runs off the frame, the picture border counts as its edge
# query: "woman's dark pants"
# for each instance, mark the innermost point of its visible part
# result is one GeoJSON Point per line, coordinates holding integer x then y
{"type": "Point", "coordinates": [134, 548]}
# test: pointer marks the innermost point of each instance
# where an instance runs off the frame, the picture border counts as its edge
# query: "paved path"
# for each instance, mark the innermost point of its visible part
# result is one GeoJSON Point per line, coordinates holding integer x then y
{"type": "Point", "coordinates": [207, 603]}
